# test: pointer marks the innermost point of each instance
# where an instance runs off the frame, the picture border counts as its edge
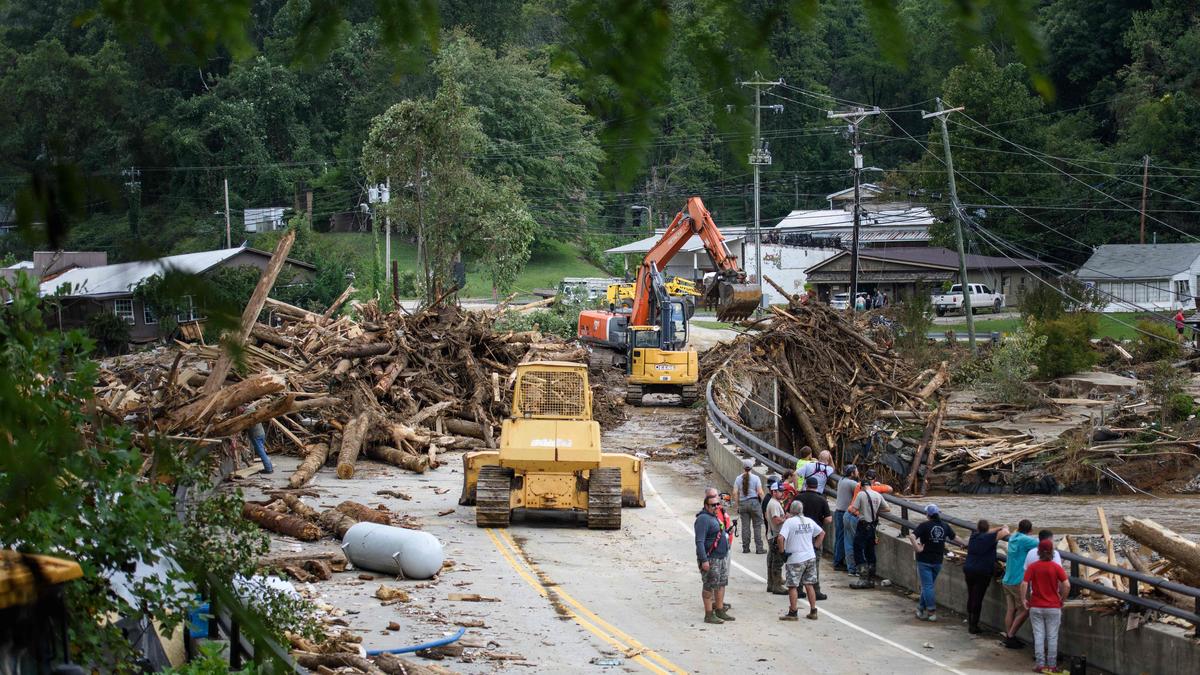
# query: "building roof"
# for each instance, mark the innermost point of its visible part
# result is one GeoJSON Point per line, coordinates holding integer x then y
{"type": "Point", "coordinates": [21, 265]}
{"type": "Point", "coordinates": [693, 245]}
{"type": "Point", "coordinates": [122, 278]}
{"type": "Point", "coordinates": [865, 191]}
{"type": "Point", "coordinates": [1139, 261]}
{"type": "Point", "coordinates": [820, 219]}
{"type": "Point", "coordinates": [939, 258]}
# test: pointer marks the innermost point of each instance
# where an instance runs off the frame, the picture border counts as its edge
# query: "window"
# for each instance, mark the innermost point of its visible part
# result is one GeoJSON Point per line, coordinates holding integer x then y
{"type": "Point", "coordinates": [148, 315]}
{"type": "Point", "coordinates": [189, 312]}
{"type": "Point", "coordinates": [124, 310]}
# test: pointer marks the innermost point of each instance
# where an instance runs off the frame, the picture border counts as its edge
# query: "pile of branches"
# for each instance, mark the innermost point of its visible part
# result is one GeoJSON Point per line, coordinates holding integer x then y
{"type": "Point", "coordinates": [834, 374]}
{"type": "Point", "coordinates": [396, 387]}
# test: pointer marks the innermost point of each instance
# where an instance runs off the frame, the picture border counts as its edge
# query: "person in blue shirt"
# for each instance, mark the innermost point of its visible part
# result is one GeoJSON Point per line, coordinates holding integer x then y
{"type": "Point", "coordinates": [979, 568]}
{"type": "Point", "coordinates": [712, 557]}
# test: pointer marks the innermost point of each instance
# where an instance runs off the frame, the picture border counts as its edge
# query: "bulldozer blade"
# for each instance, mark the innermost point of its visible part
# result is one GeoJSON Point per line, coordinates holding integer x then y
{"type": "Point", "coordinates": [737, 301]}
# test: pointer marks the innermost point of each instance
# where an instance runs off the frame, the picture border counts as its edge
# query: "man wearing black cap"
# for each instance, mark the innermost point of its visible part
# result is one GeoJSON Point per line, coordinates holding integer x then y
{"type": "Point", "coordinates": [816, 509]}
{"type": "Point", "coordinates": [775, 517]}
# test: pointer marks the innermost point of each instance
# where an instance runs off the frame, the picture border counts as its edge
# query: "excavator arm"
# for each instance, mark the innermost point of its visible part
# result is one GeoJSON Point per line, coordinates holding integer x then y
{"type": "Point", "coordinates": [735, 299]}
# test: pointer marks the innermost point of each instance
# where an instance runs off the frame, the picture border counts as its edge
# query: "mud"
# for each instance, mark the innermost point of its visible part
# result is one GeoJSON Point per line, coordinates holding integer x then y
{"type": "Point", "coordinates": [657, 432]}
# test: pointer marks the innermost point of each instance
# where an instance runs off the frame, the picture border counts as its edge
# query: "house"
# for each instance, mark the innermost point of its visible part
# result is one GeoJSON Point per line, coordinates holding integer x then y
{"type": "Point", "coordinates": [692, 261]}
{"type": "Point", "coordinates": [48, 264]}
{"type": "Point", "coordinates": [896, 225]}
{"type": "Point", "coordinates": [84, 291]}
{"type": "Point", "coordinates": [1139, 277]}
{"type": "Point", "coordinates": [265, 219]}
{"type": "Point", "coordinates": [904, 272]}
{"type": "Point", "coordinates": [844, 199]}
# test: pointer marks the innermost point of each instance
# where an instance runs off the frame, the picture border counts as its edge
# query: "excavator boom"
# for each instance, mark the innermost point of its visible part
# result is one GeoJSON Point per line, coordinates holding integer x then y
{"type": "Point", "coordinates": [735, 299]}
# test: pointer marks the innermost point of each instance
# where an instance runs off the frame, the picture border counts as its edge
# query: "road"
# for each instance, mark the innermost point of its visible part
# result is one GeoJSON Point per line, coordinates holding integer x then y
{"type": "Point", "coordinates": [571, 600]}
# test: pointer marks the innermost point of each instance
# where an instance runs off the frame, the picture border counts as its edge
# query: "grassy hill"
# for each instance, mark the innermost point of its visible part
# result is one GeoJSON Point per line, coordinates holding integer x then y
{"type": "Point", "coordinates": [546, 267]}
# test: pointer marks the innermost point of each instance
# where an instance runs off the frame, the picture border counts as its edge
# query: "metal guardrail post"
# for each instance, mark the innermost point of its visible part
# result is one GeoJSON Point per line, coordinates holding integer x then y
{"type": "Point", "coordinates": [1076, 573]}
{"type": "Point", "coordinates": [235, 644]}
{"type": "Point", "coordinates": [904, 515]}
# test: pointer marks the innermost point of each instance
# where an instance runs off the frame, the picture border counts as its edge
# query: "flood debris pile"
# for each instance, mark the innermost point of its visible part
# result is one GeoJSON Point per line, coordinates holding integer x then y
{"type": "Point", "coordinates": [396, 387]}
{"type": "Point", "coordinates": [834, 374]}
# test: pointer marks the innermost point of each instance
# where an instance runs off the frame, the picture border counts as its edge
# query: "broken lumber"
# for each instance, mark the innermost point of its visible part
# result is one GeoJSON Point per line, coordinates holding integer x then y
{"type": "Point", "coordinates": [404, 460]}
{"type": "Point", "coordinates": [216, 379]}
{"type": "Point", "coordinates": [1167, 543]}
{"type": "Point", "coordinates": [337, 522]}
{"type": "Point", "coordinates": [352, 441]}
{"type": "Point", "coordinates": [341, 300]}
{"type": "Point", "coordinates": [362, 512]}
{"type": "Point", "coordinates": [236, 425]}
{"type": "Point", "coordinates": [931, 452]}
{"type": "Point", "coordinates": [314, 459]}
{"type": "Point", "coordinates": [282, 523]}
{"type": "Point", "coordinates": [226, 399]}
{"type": "Point", "coordinates": [313, 661]}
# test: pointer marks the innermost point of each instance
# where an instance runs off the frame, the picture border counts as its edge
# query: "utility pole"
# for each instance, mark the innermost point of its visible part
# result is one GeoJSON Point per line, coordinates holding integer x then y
{"type": "Point", "coordinates": [133, 184]}
{"type": "Point", "coordinates": [228, 233]}
{"type": "Point", "coordinates": [956, 209]}
{"type": "Point", "coordinates": [387, 232]}
{"type": "Point", "coordinates": [760, 156]}
{"type": "Point", "coordinates": [1145, 186]}
{"type": "Point", "coordinates": [855, 117]}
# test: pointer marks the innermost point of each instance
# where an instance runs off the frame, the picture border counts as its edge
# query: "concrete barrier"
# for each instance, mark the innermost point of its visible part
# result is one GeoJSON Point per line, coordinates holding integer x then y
{"type": "Point", "coordinates": [1105, 640]}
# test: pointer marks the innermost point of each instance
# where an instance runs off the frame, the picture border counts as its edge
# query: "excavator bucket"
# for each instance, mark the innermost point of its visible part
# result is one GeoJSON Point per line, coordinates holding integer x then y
{"type": "Point", "coordinates": [737, 301]}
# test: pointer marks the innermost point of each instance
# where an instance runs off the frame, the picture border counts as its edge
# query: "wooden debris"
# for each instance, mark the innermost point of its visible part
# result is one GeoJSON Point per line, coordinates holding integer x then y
{"type": "Point", "coordinates": [470, 597]}
{"type": "Point", "coordinates": [404, 460]}
{"type": "Point", "coordinates": [283, 523]}
{"type": "Point", "coordinates": [361, 513]}
{"type": "Point", "coordinates": [390, 593]}
{"type": "Point", "coordinates": [314, 459]}
{"type": "Point", "coordinates": [352, 440]}
{"type": "Point", "coordinates": [1185, 554]}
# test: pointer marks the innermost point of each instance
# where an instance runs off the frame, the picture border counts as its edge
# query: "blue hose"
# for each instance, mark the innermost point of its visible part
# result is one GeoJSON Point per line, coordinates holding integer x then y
{"type": "Point", "coordinates": [417, 648]}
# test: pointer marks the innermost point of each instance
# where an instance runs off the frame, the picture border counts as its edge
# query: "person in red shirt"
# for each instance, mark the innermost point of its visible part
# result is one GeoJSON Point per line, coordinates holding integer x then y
{"type": "Point", "coordinates": [1043, 590]}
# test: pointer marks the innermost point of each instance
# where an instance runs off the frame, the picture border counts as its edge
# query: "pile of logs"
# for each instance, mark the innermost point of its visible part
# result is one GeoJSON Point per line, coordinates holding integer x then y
{"type": "Point", "coordinates": [833, 375]}
{"type": "Point", "coordinates": [291, 517]}
{"type": "Point", "coordinates": [396, 387]}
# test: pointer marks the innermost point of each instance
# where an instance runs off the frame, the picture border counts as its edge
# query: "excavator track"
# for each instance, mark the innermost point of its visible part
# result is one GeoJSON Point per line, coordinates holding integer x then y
{"type": "Point", "coordinates": [689, 394]}
{"type": "Point", "coordinates": [633, 394]}
{"type": "Point", "coordinates": [493, 504]}
{"type": "Point", "coordinates": [604, 499]}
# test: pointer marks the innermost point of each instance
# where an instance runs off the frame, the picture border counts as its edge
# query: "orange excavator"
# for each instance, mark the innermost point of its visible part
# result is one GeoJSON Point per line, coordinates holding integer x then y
{"type": "Point", "coordinates": [650, 339]}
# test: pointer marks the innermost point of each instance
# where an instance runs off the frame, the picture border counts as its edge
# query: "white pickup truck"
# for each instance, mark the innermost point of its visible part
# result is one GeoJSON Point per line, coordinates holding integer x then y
{"type": "Point", "coordinates": [982, 298]}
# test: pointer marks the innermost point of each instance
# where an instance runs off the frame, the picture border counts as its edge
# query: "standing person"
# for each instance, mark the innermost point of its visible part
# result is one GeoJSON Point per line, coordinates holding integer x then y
{"type": "Point", "coordinates": [258, 438]}
{"type": "Point", "coordinates": [788, 485]}
{"type": "Point", "coordinates": [1043, 591]}
{"type": "Point", "coordinates": [816, 509]}
{"type": "Point", "coordinates": [819, 469]}
{"type": "Point", "coordinates": [1019, 544]}
{"type": "Point", "coordinates": [877, 300]}
{"type": "Point", "coordinates": [776, 515]}
{"type": "Point", "coordinates": [860, 302]}
{"type": "Point", "coordinates": [805, 458]}
{"type": "Point", "coordinates": [929, 540]}
{"type": "Point", "coordinates": [1180, 323]}
{"type": "Point", "coordinates": [749, 490]}
{"type": "Point", "coordinates": [800, 538]}
{"type": "Point", "coordinates": [712, 556]}
{"type": "Point", "coordinates": [1012, 641]}
{"type": "Point", "coordinates": [866, 507]}
{"type": "Point", "coordinates": [843, 522]}
{"type": "Point", "coordinates": [979, 568]}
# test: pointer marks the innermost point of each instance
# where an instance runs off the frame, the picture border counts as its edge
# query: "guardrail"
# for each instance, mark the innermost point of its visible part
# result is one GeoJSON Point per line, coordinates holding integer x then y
{"type": "Point", "coordinates": [778, 460]}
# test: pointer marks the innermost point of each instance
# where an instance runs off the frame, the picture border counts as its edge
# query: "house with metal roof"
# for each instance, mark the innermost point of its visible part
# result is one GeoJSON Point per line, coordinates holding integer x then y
{"type": "Point", "coordinates": [81, 292]}
{"type": "Point", "coordinates": [903, 273]}
{"type": "Point", "coordinates": [1139, 277]}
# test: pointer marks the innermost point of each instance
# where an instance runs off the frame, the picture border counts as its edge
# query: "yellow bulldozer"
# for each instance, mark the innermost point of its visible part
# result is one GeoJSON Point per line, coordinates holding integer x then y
{"type": "Point", "coordinates": [549, 456]}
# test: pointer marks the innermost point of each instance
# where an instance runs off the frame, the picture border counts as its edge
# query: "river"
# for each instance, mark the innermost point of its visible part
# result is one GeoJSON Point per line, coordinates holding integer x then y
{"type": "Point", "coordinates": [1075, 514]}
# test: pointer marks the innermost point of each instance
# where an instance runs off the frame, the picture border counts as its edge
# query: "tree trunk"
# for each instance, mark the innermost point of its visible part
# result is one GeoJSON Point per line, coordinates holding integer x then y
{"type": "Point", "coordinates": [264, 333]}
{"type": "Point", "coordinates": [392, 664]}
{"type": "Point", "coordinates": [283, 523]}
{"type": "Point", "coordinates": [933, 445]}
{"type": "Point", "coordinates": [389, 376]}
{"type": "Point", "coordinates": [262, 413]}
{"type": "Point", "coordinates": [939, 378]}
{"type": "Point", "coordinates": [352, 441]}
{"type": "Point", "coordinates": [313, 461]}
{"type": "Point", "coordinates": [314, 661]}
{"type": "Point", "coordinates": [1169, 544]}
{"type": "Point", "coordinates": [461, 427]}
{"type": "Point", "coordinates": [341, 300]}
{"type": "Point", "coordinates": [301, 509]}
{"type": "Point", "coordinates": [362, 512]}
{"type": "Point", "coordinates": [229, 398]}
{"type": "Point", "coordinates": [366, 349]}
{"type": "Point", "coordinates": [404, 460]}
{"type": "Point", "coordinates": [337, 522]}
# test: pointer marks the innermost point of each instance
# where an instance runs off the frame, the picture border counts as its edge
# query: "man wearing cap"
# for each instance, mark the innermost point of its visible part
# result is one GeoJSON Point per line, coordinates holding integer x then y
{"type": "Point", "coordinates": [929, 540]}
{"type": "Point", "coordinates": [800, 538]}
{"type": "Point", "coordinates": [866, 507]}
{"type": "Point", "coordinates": [775, 518]}
{"type": "Point", "coordinates": [749, 491]}
{"type": "Point", "coordinates": [843, 528]}
{"type": "Point", "coordinates": [712, 556]}
{"type": "Point", "coordinates": [816, 509]}
{"type": "Point", "coordinates": [1043, 590]}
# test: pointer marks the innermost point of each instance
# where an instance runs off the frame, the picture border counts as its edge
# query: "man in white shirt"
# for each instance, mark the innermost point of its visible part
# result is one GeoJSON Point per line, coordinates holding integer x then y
{"type": "Point", "coordinates": [1032, 556]}
{"type": "Point", "coordinates": [800, 539]}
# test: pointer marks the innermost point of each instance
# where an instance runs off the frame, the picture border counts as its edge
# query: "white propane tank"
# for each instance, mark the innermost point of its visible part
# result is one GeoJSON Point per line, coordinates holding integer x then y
{"type": "Point", "coordinates": [393, 550]}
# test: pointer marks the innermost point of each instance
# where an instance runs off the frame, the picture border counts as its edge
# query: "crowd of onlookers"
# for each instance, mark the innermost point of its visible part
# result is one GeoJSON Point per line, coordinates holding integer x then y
{"type": "Point", "coordinates": [791, 510]}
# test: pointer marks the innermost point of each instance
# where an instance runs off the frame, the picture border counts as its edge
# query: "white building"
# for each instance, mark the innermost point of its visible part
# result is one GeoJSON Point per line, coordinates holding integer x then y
{"type": "Point", "coordinates": [267, 219]}
{"type": "Point", "coordinates": [1138, 277]}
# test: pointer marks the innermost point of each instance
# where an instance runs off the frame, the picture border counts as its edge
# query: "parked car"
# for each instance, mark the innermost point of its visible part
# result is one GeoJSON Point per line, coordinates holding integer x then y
{"type": "Point", "coordinates": [982, 297]}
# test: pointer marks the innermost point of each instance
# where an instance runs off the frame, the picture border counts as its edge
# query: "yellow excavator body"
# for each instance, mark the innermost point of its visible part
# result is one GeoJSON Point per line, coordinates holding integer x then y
{"type": "Point", "coordinates": [550, 455]}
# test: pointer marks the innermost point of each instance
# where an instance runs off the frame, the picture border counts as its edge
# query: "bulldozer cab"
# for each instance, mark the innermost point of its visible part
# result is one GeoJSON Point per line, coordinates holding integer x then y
{"type": "Point", "coordinates": [552, 390]}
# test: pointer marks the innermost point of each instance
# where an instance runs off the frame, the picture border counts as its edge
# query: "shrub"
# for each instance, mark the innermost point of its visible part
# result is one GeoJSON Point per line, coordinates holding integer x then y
{"type": "Point", "coordinates": [1068, 346]}
{"type": "Point", "coordinates": [1057, 298]}
{"type": "Point", "coordinates": [110, 332]}
{"type": "Point", "coordinates": [561, 320]}
{"type": "Point", "coordinates": [1156, 341]}
{"type": "Point", "coordinates": [915, 317]}
{"type": "Point", "coordinates": [1004, 377]}
{"type": "Point", "coordinates": [1165, 387]}
{"type": "Point", "coordinates": [1180, 407]}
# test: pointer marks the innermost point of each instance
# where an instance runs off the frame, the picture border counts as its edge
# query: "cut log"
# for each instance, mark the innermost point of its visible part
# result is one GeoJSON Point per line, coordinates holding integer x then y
{"type": "Point", "coordinates": [367, 349]}
{"type": "Point", "coordinates": [314, 459]}
{"type": "Point", "coordinates": [301, 509]}
{"type": "Point", "coordinates": [264, 333]}
{"type": "Point", "coordinates": [283, 523]}
{"type": "Point", "coordinates": [404, 460]}
{"type": "Point", "coordinates": [337, 522]}
{"type": "Point", "coordinates": [395, 665]}
{"type": "Point", "coordinates": [931, 453]}
{"type": "Point", "coordinates": [220, 370]}
{"type": "Point", "coordinates": [341, 300]}
{"type": "Point", "coordinates": [352, 441]}
{"type": "Point", "coordinates": [536, 305]}
{"type": "Point", "coordinates": [341, 368]}
{"type": "Point", "coordinates": [1167, 543]}
{"type": "Point", "coordinates": [363, 513]}
{"type": "Point", "coordinates": [231, 397]}
{"type": "Point", "coordinates": [236, 425]}
{"type": "Point", "coordinates": [314, 661]}
{"type": "Point", "coordinates": [389, 376]}
{"type": "Point", "coordinates": [961, 416]}
{"type": "Point", "coordinates": [461, 427]}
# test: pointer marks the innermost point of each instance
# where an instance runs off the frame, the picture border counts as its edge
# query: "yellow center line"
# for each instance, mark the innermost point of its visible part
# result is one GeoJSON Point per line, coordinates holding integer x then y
{"type": "Point", "coordinates": [589, 626]}
{"type": "Point", "coordinates": [620, 634]}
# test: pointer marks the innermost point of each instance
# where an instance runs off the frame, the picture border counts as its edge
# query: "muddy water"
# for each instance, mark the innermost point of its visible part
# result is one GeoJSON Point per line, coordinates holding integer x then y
{"type": "Point", "coordinates": [1075, 514]}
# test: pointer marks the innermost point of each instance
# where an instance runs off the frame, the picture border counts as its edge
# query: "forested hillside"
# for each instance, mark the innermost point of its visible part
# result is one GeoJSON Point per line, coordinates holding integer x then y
{"type": "Point", "coordinates": [1050, 145]}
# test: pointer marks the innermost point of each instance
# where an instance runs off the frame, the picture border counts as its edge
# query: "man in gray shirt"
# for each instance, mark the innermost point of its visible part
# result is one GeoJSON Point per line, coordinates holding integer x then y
{"type": "Point", "coordinates": [749, 492]}
{"type": "Point", "coordinates": [843, 529]}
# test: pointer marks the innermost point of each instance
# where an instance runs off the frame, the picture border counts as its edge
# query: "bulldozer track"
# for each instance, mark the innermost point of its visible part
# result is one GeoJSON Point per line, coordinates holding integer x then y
{"type": "Point", "coordinates": [633, 394]}
{"type": "Point", "coordinates": [604, 499]}
{"type": "Point", "coordinates": [492, 497]}
{"type": "Point", "coordinates": [689, 394]}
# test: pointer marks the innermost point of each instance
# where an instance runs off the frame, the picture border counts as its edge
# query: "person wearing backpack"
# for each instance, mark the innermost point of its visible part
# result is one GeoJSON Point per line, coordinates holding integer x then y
{"type": "Point", "coordinates": [866, 507]}
{"type": "Point", "coordinates": [819, 469]}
